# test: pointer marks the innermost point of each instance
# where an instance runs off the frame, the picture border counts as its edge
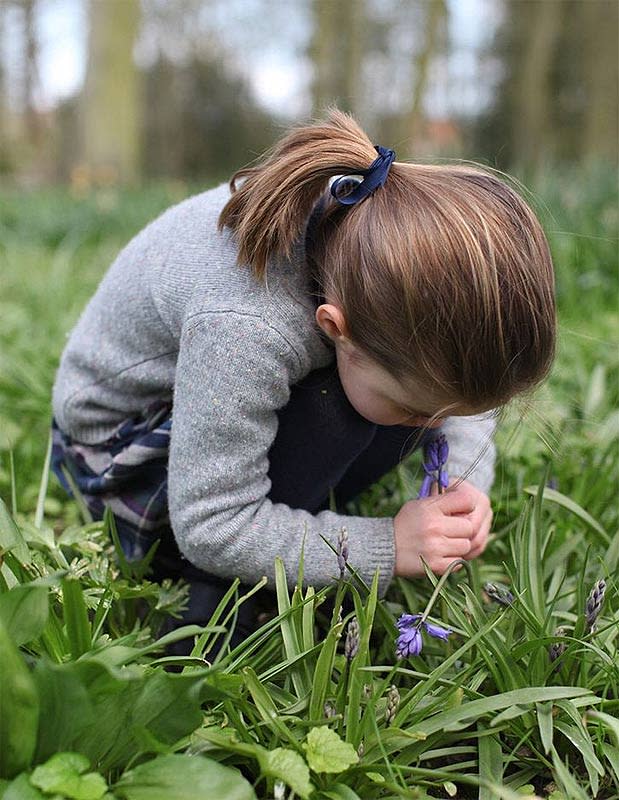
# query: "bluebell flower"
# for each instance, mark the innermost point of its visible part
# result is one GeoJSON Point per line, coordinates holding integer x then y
{"type": "Point", "coordinates": [435, 455]}
{"type": "Point", "coordinates": [409, 642]}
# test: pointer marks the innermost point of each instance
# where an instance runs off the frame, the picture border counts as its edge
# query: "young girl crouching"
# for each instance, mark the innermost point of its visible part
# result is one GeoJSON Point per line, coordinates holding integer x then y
{"type": "Point", "coordinates": [260, 347]}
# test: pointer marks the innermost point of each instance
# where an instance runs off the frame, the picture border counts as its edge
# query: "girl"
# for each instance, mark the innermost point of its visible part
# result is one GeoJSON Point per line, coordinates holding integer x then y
{"type": "Point", "coordinates": [304, 329]}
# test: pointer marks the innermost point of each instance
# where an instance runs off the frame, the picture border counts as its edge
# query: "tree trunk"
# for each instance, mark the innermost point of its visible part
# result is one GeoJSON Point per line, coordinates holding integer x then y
{"type": "Point", "coordinates": [436, 21]}
{"type": "Point", "coordinates": [111, 98]}
{"type": "Point", "coordinates": [601, 112]}
{"type": "Point", "coordinates": [336, 51]}
{"type": "Point", "coordinates": [533, 101]}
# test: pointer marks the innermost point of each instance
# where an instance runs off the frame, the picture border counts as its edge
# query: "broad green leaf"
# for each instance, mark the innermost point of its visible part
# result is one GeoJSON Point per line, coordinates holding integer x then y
{"type": "Point", "coordinates": [326, 752]}
{"type": "Point", "coordinates": [468, 712]}
{"type": "Point", "coordinates": [584, 746]}
{"type": "Point", "coordinates": [66, 708]}
{"type": "Point", "coordinates": [179, 777]}
{"type": "Point", "coordinates": [544, 723]}
{"type": "Point", "coordinates": [339, 791]}
{"type": "Point", "coordinates": [63, 774]}
{"type": "Point", "coordinates": [24, 612]}
{"type": "Point", "coordinates": [76, 617]}
{"type": "Point", "coordinates": [288, 766]}
{"type": "Point", "coordinates": [513, 712]}
{"type": "Point", "coordinates": [566, 502]}
{"type": "Point", "coordinates": [169, 705]}
{"type": "Point", "coordinates": [612, 755]}
{"type": "Point", "coordinates": [612, 723]}
{"type": "Point", "coordinates": [490, 760]}
{"type": "Point", "coordinates": [22, 789]}
{"type": "Point", "coordinates": [19, 706]}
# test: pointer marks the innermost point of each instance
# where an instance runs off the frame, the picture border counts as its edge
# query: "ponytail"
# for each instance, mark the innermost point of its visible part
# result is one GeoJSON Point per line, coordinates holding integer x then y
{"type": "Point", "coordinates": [269, 210]}
{"type": "Point", "coordinates": [443, 274]}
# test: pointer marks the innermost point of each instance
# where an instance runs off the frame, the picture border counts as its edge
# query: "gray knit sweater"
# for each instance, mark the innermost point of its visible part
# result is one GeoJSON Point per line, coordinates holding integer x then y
{"type": "Point", "coordinates": [176, 319]}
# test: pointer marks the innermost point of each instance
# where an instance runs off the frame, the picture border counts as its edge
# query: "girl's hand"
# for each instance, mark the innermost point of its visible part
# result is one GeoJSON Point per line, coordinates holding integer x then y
{"type": "Point", "coordinates": [442, 528]}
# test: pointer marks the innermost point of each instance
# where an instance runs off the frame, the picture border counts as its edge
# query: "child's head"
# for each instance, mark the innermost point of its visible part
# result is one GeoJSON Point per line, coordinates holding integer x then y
{"type": "Point", "coordinates": [443, 275]}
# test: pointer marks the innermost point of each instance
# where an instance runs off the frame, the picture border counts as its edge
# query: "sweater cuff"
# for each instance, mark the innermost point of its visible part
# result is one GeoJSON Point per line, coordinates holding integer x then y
{"type": "Point", "coordinates": [374, 552]}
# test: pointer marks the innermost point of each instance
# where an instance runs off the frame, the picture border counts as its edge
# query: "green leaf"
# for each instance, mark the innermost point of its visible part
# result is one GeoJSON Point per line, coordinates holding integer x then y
{"type": "Point", "coordinates": [290, 635]}
{"type": "Point", "coordinates": [265, 705]}
{"type": "Point", "coordinates": [357, 678]}
{"type": "Point", "coordinates": [63, 774]}
{"type": "Point", "coordinates": [544, 723]}
{"type": "Point", "coordinates": [566, 502]}
{"type": "Point", "coordinates": [583, 744]}
{"type": "Point", "coordinates": [288, 766]}
{"type": "Point", "coordinates": [66, 709]}
{"type": "Point", "coordinates": [169, 705]}
{"type": "Point", "coordinates": [19, 705]}
{"type": "Point", "coordinates": [568, 783]}
{"type": "Point", "coordinates": [179, 777]}
{"type": "Point", "coordinates": [612, 723]}
{"type": "Point", "coordinates": [468, 712]}
{"type": "Point", "coordinates": [22, 789]}
{"type": "Point", "coordinates": [11, 537]}
{"type": "Point", "coordinates": [612, 755]}
{"type": "Point", "coordinates": [76, 617]}
{"type": "Point", "coordinates": [326, 752]}
{"type": "Point", "coordinates": [339, 791]}
{"type": "Point", "coordinates": [24, 612]}
{"type": "Point", "coordinates": [490, 762]}
{"type": "Point", "coordinates": [323, 671]}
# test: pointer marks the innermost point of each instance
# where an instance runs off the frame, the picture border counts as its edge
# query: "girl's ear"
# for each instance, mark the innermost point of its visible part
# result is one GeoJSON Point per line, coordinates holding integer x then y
{"type": "Point", "coordinates": [332, 322]}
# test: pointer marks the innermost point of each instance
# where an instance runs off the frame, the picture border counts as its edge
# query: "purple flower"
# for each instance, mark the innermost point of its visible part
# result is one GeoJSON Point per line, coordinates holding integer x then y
{"type": "Point", "coordinates": [437, 631]}
{"type": "Point", "coordinates": [435, 455]}
{"type": "Point", "coordinates": [409, 642]}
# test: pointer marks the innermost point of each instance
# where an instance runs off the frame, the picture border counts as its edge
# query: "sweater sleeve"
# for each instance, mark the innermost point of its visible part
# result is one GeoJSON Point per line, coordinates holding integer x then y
{"type": "Point", "coordinates": [234, 372]}
{"type": "Point", "coordinates": [471, 448]}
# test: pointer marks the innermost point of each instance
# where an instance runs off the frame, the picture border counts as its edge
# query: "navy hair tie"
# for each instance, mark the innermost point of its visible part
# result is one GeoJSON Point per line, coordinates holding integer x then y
{"type": "Point", "coordinates": [373, 177]}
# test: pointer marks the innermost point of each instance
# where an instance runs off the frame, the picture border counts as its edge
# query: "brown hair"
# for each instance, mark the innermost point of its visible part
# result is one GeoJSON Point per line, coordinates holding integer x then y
{"type": "Point", "coordinates": [444, 274]}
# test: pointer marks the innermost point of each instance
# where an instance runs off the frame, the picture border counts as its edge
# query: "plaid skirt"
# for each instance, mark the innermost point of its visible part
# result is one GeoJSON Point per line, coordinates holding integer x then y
{"type": "Point", "coordinates": [128, 472]}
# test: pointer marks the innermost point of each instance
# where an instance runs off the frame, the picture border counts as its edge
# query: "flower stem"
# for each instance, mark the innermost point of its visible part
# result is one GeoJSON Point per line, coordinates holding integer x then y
{"type": "Point", "coordinates": [441, 583]}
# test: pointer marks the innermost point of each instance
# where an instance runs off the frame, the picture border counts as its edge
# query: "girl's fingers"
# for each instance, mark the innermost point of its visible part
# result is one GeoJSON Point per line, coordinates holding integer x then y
{"type": "Point", "coordinates": [457, 548]}
{"type": "Point", "coordinates": [480, 540]}
{"type": "Point", "coordinates": [457, 528]}
{"type": "Point", "coordinates": [461, 500]}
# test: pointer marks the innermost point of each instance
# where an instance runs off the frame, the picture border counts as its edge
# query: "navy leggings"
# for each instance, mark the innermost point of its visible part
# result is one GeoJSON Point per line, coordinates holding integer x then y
{"type": "Point", "coordinates": [322, 446]}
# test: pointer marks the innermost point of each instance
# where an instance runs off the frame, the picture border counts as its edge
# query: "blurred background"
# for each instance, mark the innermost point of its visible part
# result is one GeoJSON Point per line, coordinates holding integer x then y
{"type": "Point", "coordinates": [112, 110]}
{"type": "Point", "coordinates": [104, 92]}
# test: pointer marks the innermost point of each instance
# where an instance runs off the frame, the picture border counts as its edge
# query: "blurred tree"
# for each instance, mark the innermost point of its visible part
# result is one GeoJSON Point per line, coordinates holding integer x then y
{"type": "Point", "coordinates": [558, 99]}
{"type": "Point", "coordinates": [601, 77]}
{"type": "Point", "coordinates": [532, 124]}
{"type": "Point", "coordinates": [4, 143]}
{"type": "Point", "coordinates": [336, 51]}
{"type": "Point", "coordinates": [434, 40]}
{"type": "Point", "coordinates": [110, 103]}
{"type": "Point", "coordinates": [200, 120]}
{"type": "Point", "coordinates": [30, 73]}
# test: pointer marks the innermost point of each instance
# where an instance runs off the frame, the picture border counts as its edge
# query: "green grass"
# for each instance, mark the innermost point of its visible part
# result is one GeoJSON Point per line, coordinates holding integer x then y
{"type": "Point", "coordinates": [486, 714]}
